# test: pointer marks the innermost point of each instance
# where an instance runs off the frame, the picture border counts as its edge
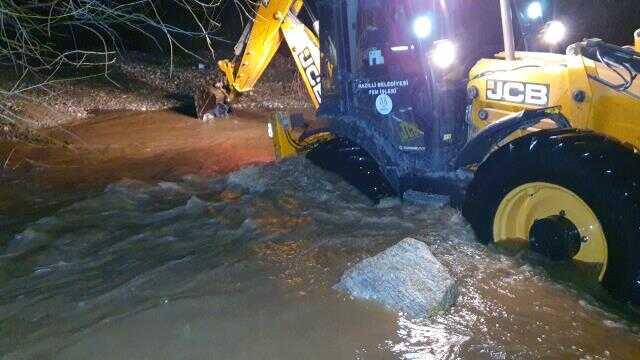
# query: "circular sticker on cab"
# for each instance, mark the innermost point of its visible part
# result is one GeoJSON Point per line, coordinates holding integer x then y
{"type": "Point", "coordinates": [384, 104]}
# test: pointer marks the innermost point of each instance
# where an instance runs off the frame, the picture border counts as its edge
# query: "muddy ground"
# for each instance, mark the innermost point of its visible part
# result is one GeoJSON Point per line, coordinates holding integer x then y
{"type": "Point", "coordinates": [136, 82]}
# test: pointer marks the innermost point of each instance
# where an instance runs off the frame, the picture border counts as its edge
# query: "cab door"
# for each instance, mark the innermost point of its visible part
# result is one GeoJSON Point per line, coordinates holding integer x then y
{"type": "Point", "coordinates": [390, 79]}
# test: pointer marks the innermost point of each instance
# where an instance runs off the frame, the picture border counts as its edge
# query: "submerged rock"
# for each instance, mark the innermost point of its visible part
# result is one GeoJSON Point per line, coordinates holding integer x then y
{"type": "Point", "coordinates": [406, 278]}
{"type": "Point", "coordinates": [195, 206]}
{"type": "Point", "coordinates": [389, 202]}
{"type": "Point", "coordinates": [421, 198]}
{"type": "Point", "coordinates": [29, 239]}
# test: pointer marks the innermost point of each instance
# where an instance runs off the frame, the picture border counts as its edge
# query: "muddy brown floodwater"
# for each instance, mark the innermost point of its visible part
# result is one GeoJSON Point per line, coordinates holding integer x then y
{"type": "Point", "coordinates": [141, 145]}
{"type": "Point", "coordinates": [170, 239]}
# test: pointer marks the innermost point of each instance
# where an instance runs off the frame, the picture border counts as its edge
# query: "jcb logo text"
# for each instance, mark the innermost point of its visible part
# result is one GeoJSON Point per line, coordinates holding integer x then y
{"type": "Point", "coordinates": [518, 92]}
{"type": "Point", "coordinates": [312, 72]}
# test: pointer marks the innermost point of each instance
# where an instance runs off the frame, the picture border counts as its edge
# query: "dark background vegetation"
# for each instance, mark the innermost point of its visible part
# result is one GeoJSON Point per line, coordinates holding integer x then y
{"type": "Point", "coordinates": [192, 22]}
{"type": "Point", "coordinates": [611, 20]}
{"type": "Point", "coordinates": [138, 44]}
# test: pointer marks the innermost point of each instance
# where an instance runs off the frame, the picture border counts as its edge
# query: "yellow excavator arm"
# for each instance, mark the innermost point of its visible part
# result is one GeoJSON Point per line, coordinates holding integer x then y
{"type": "Point", "coordinates": [275, 21]}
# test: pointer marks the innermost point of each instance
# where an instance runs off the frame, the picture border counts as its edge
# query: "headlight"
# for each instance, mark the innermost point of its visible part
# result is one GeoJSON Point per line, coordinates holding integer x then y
{"type": "Point", "coordinates": [554, 32]}
{"type": "Point", "coordinates": [443, 54]}
{"type": "Point", "coordinates": [422, 27]}
{"type": "Point", "coordinates": [535, 10]}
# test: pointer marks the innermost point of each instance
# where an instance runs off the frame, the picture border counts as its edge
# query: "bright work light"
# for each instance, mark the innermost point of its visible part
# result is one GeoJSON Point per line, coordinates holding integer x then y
{"type": "Point", "coordinates": [554, 32]}
{"type": "Point", "coordinates": [443, 54]}
{"type": "Point", "coordinates": [534, 10]}
{"type": "Point", "coordinates": [422, 27]}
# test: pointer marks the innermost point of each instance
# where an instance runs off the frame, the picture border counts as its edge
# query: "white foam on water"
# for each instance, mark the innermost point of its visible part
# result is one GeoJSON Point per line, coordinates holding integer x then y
{"type": "Point", "coordinates": [242, 266]}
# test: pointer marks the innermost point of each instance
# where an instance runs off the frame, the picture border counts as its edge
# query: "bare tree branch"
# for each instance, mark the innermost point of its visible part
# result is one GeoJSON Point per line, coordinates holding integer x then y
{"type": "Point", "coordinates": [41, 38]}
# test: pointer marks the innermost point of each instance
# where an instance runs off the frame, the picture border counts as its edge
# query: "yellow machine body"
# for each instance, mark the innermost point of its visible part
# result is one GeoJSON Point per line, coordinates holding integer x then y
{"type": "Point", "coordinates": [516, 192]}
{"type": "Point", "coordinates": [573, 82]}
{"type": "Point", "coordinates": [275, 21]}
{"type": "Point", "coordinates": [591, 96]}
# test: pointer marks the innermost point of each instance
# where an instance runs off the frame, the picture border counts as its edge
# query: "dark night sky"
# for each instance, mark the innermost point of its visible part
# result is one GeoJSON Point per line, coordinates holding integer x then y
{"type": "Point", "coordinates": [611, 20]}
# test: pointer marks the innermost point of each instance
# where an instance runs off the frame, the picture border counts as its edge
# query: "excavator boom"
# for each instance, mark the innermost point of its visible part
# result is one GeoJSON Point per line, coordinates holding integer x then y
{"type": "Point", "coordinates": [275, 21]}
{"type": "Point", "coordinates": [305, 48]}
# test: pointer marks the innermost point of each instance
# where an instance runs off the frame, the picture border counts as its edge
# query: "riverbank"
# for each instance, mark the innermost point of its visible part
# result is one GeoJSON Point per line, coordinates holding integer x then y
{"type": "Point", "coordinates": [135, 82]}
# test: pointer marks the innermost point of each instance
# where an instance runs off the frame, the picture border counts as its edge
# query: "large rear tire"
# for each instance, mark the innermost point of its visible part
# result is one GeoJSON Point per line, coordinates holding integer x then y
{"type": "Point", "coordinates": [550, 177]}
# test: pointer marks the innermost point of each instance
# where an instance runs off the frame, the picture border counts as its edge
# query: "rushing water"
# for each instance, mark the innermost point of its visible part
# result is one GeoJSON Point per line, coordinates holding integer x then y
{"type": "Point", "coordinates": [241, 267]}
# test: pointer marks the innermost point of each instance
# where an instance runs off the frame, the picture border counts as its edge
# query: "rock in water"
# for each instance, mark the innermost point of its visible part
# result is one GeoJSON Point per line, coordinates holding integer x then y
{"type": "Point", "coordinates": [421, 198]}
{"type": "Point", "coordinates": [406, 278]}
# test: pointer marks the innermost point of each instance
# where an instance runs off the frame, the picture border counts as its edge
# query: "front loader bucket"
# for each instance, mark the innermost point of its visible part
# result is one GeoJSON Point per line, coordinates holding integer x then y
{"type": "Point", "coordinates": [281, 128]}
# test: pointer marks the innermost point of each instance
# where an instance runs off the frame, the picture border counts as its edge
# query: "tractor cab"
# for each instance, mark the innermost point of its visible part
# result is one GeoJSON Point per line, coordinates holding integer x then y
{"type": "Point", "coordinates": [394, 78]}
{"type": "Point", "coordinates": [379, 86]}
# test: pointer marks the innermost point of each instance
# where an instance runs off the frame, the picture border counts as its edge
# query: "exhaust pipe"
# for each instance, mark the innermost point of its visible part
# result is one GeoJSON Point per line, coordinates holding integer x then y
{"type": "Point", "coordinates": [507, 30]}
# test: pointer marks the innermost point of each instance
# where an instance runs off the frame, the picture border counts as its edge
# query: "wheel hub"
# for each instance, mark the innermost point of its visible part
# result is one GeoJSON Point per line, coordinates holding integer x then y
{"type": "Point", "coordinates": [531, 202]}
{"type": "Point", "coordinates": [555, 237]}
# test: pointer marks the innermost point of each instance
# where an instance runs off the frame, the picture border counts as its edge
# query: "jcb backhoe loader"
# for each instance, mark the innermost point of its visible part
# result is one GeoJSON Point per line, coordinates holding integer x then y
{"type": "Point", "coordinates": [544, 152]}
{"type": "Point", "coordinates": [274, 21]}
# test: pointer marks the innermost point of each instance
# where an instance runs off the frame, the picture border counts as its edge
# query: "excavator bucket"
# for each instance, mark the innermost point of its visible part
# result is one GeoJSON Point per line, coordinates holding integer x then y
{"type": "Point", "coordinates": [261, 40]}
{"type": "Point", "coordinates": [275, 21]}
{"type": "Point", "coordinates": [211, 102]}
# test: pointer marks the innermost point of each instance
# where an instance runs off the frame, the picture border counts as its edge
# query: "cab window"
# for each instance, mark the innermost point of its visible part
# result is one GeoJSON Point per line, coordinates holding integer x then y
{"type": "Point", "coordinates": [387, 42]}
